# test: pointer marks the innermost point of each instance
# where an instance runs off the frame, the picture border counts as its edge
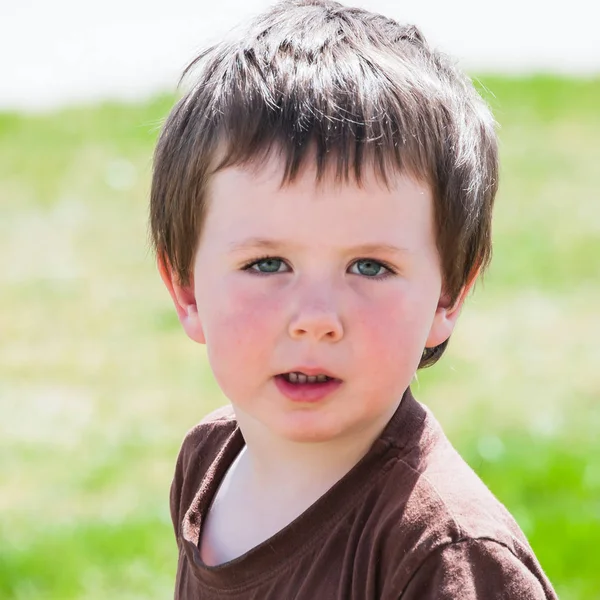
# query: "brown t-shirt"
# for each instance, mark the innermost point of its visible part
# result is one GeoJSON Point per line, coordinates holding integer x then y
{"type": "Point", "coordinates": [411, 520]}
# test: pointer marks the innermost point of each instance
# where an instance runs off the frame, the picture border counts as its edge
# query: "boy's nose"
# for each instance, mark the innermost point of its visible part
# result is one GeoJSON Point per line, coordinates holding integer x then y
{"type": "Point", "coordinates": [316, 323]}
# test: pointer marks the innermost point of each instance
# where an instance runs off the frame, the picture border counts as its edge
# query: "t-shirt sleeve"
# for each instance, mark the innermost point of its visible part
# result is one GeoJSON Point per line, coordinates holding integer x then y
{"type": "Point", "coordinates": [473, 569]}
{"type": "Point", "coordinates": [175, 494]}
{"type": "Point", "coordinates": [198, 449]}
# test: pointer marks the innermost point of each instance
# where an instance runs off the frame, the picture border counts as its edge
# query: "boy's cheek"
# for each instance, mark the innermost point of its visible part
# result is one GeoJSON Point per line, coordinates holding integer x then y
{"type": "Point", "coordinates": [397, 330]}
{"type": "Point", "coordinates": [241, 350]}
{"type": "Point", "coordinates": [237, 349]}
{"type": "Point", "coordinates": [241, 320]}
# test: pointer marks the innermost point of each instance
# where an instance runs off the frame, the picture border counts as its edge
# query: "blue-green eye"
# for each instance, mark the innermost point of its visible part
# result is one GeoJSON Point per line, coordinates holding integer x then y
{"type": "Point", "coordinates": [368, 268]}
{"type": "Point", "coordinates": [267, 265]}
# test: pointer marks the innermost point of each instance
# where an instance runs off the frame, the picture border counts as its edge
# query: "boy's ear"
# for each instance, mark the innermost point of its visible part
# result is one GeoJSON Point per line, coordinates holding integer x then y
{"type": "Point", "coordinates": [447, 314]}
{"type": "Point", "coordinates": [184, 299]}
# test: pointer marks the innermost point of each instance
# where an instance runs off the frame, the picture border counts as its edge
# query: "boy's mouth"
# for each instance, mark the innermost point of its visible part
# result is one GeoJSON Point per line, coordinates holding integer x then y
{"type": "Point", "coordinates": [299, 377]}
{"type": "Point", "coordinates": [310, 385]}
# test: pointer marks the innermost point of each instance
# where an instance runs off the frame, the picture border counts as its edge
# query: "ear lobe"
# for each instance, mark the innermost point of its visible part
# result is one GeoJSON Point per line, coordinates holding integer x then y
{"type": "Point", "coordinates": [184, 299]}
{"type": "Point", "coordinates": [443, 324]}
{"type": "Point", "coordinates": [446, 314]}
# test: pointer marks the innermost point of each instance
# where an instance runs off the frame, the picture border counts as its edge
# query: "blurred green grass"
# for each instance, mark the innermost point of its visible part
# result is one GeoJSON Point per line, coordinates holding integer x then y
{"type": "Point", "coordinates": [98, 384]}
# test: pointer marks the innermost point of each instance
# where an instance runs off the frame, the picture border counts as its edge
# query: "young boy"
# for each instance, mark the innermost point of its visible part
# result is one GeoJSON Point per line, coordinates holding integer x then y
{"type": "Point", "coordinates": [321, 207]}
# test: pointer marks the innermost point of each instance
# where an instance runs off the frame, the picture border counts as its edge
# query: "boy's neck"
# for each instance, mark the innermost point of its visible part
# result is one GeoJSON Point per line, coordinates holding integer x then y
{"type": "Point", "coordinates": [273, 462]}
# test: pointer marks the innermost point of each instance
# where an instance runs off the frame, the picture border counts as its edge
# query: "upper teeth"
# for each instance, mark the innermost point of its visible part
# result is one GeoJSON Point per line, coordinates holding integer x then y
{"type": "Point", "coordinates": [302, 378]}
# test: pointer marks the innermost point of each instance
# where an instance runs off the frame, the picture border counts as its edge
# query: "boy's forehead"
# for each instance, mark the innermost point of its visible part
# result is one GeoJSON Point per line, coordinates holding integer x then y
{"type": "Point", "coordinates": [249, 208]}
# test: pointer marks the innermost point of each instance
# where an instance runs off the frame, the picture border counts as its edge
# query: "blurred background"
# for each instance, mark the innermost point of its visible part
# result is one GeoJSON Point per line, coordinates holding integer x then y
{"type": "Point", "coordinates": [98, 384]}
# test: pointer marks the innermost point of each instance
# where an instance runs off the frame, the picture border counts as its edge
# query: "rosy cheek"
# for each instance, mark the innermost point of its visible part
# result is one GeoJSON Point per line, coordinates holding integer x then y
{"type": "Point", "coordinates": [391, 330]}
{"type": "Point", "coordinates": [242, 316]}
{"type": "Point", "coordinates": [381, 327]}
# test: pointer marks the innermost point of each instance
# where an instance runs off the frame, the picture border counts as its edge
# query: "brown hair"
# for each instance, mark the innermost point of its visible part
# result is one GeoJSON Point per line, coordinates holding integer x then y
{"type": "Point", "coordinates": [349, 89]}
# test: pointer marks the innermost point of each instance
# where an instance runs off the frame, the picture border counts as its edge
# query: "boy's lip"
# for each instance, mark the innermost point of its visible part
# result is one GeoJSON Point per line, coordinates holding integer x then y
{"type": "Point", "coordinates": [307, 394]}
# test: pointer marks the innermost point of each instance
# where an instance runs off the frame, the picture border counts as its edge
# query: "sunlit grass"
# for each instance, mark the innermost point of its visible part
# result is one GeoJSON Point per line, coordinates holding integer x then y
{"type": "Point", "coordinates": [98, 384]}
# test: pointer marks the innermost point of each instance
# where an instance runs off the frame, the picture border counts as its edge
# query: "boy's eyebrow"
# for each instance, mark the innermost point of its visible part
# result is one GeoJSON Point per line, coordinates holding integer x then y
{"type": "Point", "coordinates": [375, 248]}
{"type": "Point", "coordinates": [258, 243]}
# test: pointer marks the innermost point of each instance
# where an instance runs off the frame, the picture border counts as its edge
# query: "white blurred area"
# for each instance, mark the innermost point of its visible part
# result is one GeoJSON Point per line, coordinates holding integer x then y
{"type": "Point", "coordinates": [61, 52]}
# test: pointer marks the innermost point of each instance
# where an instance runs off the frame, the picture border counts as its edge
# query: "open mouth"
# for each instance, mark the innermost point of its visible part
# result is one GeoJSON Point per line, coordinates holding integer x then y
{"type": "Point", "coordinates": [299, 378]}
{"type": "Point", "coordinates": [307, 389]}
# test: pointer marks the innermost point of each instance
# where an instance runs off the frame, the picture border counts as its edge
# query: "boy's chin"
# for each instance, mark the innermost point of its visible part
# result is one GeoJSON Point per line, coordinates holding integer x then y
{"type": "Point", "coordinates": [303, 429]}
{"type": "Point", "coordinates": [308, 436]}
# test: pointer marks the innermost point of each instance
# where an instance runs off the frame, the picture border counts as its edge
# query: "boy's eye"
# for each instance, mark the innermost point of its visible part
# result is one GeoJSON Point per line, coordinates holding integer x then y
{"type": "Point", "coordinates": [267, 265]}
{"type": "Point", "coordinates": [368, 268]}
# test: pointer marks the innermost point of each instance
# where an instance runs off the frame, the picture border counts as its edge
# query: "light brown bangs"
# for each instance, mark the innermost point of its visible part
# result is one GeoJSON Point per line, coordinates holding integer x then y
{"type": "Point", "coordinates": [336, 126]}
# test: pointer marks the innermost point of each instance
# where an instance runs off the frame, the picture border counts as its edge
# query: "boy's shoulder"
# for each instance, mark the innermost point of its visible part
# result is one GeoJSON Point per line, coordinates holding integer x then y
{"type": "Point", "coordinates": [218, 421]}
{"type": "Point", "coordinates": [208, 435]}
{"type": "Point", "coordinates": [202, 445]}
{"type": "Point", "coordinates": [443, 495]}
{"type": "Point", "coordinates": [454, 492]}
{"type": "Point", "coordinates": [453, 529]}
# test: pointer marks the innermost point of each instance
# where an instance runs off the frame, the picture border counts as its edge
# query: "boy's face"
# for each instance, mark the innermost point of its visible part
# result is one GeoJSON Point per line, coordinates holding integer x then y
{"type": "Point", "coordinates": [335, 278]}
